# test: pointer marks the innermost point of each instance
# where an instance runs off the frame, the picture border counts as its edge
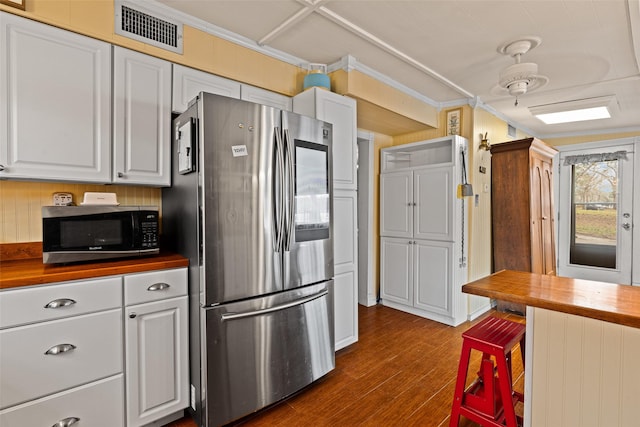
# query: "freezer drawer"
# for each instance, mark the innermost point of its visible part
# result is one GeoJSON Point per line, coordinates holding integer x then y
{"type": "Point", "coordinates": [262, 350]}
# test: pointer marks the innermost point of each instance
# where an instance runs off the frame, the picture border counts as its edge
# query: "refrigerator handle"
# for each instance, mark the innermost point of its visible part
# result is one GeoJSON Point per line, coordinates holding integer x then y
{"type": "Point", "coordinates": [278, 196]}
{"type": "Point", "coordinates": [290, 189]}
{"type": "Point", "coordinates": [301, 301]}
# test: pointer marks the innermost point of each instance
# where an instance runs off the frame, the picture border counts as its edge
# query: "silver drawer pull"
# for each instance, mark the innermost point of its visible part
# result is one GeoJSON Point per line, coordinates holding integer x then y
{"type": "Point", "coordinates": [158, 287]}
{"type": "Point", "coordinates": [67, 422]}
{"type": "Point", "coordinates": [60, 348]}
{"type": "Point", "coordinates": [62, 302]}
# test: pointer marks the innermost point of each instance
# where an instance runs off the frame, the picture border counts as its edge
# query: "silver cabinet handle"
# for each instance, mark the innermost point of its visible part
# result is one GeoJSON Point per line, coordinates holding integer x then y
{"type": "Point", "coordinates": [120, 175]}
{"type": "Point", "coordinates": [626, 226]}
{"type": "Point", "coordinates": [67, 422]}
{"type": "Point", "coordinates": [59, 349]}
{"type": "Point", "coordinates": [1, 168]}
{"type": "Point", "coordinates": [61, 302]}
{"type": "Point", "coordinates": [158, 286]}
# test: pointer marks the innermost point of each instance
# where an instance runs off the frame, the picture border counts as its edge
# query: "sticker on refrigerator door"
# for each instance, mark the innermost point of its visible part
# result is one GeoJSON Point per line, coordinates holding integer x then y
{"type": "Point", "coordinates": [239, 150]}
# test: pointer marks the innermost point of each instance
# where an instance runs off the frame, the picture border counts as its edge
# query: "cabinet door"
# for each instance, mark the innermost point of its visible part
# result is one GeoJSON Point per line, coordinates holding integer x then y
{"type": "Point", "coordinates": [396, 270]}
{"type": "Point", "coordinates": [188, 82]}
{"type": "Point", "coordinates": [55, 112]}
{"type": "Point", "coordinates": [433, 270]}
{"type": "Point", "coordinates": [345, 243]}
{"type": "Point", "coordinates": [265, 97]}
{"type": "Point", "coordinates": [156, 360]}
{"type": "Point", "coordinates": [142, 118]}
{"type": "Point", "coordinates": [434, 194]}
{"type": "Point", "coordinates": [396, 204]}
{"type": "Point", "coordinates": [341, 112]}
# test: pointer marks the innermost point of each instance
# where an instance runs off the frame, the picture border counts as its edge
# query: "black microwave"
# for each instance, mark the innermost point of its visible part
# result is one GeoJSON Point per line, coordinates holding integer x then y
{"type": "Point", "coordinates": [84, 233]}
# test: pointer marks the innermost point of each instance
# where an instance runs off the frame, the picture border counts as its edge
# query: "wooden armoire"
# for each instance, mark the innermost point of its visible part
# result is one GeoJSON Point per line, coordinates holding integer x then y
{"type": "Point", "coordinates": [522, 208]}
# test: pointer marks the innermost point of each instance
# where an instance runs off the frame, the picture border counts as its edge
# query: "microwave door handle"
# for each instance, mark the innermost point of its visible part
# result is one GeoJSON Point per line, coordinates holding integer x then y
{"type": "Point", "coordinates": [291, 189]}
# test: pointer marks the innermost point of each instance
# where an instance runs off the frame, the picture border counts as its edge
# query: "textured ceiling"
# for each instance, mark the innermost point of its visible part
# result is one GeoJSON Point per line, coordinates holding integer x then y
{"type": "Point", "coordinates": [447, 50]}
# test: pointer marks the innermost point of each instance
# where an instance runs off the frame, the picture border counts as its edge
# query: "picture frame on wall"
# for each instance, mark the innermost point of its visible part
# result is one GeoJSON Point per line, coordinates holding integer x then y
{"type": "Point", "coordinates": [454, 121]}
{"type": "Point", "coordinates": [15, 3]}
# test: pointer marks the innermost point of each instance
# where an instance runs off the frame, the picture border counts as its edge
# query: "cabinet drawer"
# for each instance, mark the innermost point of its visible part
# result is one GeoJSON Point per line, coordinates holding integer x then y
{"type": "Point", "coordinates": [29, 373]}
{"type": "Point", "coordinates": [48, 302]}
{"type": "Point", "coordinates": [154, 286]}
{"type": "Point", "coordinates": [98, 404]}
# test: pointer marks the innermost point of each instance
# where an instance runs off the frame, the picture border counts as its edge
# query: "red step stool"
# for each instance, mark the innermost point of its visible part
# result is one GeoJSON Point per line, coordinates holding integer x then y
{"type": "Point", "coordinates": [490, 399]}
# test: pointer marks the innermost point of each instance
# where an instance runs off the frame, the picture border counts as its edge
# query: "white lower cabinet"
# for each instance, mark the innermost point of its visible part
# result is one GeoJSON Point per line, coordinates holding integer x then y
{"type": "Point", "coordinates": [156, 360]}
{"type": "Point", "coordinates": [156, 350]}
{"type": "Point", "coordinates": [98, 404]}
{"type": "Point", "coordinates": [61, 354]}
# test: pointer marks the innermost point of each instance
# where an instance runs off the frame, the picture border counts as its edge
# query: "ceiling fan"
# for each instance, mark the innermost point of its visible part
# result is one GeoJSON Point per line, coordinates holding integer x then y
{"type": "Point", "coordinates": [521, 77]}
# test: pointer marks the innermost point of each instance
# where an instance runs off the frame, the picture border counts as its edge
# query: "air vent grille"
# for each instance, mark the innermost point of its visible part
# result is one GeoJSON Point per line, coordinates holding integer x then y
{"type": "Point", "coordinates": [141, 26]}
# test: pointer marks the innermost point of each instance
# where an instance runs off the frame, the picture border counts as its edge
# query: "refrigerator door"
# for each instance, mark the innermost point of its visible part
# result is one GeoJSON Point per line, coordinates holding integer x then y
{"type": "Point", "coordinates": [262, 350]}
{"type": "Point", "coordinates": [308, 248]}
{"type": "Point", "coordinates": [241, 162]}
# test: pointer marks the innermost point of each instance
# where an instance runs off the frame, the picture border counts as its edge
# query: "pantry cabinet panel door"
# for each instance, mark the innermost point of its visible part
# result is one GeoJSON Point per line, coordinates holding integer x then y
{"type": "Point", "coordinates": [432, 271]}
{"type": "Point", "coordinates": [396, 271]}
{"type": "Point", "coordinates": [396, 206]}
{"type": "Point", "coordinates": [434, 195]}
{"type": "Point", "coordinates": [55, 113]}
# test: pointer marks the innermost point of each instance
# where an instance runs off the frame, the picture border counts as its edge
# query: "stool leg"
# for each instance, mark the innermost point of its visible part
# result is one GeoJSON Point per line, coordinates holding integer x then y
{"type": "Point", "coordinates": [463, 366]}
{"type": "Point", "coordinates": [506, 392]}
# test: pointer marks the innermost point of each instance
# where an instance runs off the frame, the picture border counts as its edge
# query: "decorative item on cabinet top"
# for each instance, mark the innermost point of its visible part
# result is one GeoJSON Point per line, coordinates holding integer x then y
{"type": "Point", "coordinates": [317, 77]}
{"type": "Point", "coordinates": [454, 121]}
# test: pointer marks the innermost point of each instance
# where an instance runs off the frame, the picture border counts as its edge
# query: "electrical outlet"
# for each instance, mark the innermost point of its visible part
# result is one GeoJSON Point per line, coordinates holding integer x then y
{"type": "Point", "coordinates": [62, 199]}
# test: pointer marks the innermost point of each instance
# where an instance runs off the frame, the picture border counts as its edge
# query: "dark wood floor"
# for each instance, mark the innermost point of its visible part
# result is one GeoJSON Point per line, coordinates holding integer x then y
{"type": "Point", "coordinates": [402, 371]}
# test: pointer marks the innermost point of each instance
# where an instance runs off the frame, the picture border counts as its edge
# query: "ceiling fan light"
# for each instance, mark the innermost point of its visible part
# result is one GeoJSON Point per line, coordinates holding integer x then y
{"type": "Point", "coordinates": [518, 88]}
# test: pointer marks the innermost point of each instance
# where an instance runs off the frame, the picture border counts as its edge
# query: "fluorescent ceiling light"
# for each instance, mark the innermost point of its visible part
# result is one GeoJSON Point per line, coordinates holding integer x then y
{"type": "Point", "coordinates": [575, 111]}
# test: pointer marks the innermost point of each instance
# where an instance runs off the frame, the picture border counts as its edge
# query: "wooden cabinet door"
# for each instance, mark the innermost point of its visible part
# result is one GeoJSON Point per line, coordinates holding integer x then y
{"type": "Point", "coordinates": [55, 109]}
{"type": "Point", "coordinates": [396, 270]}
{"type": "Point", "coordinates": [142, 118]}
{"type": "Point", "coordinates": [548, 220]}
{"type": "Point", "coordinates": [396, 204]}
{"type": "Point", "coordinates": [156, 358]}
{"type": "Point", "coordinates": [434, 193]}
{"type": "Point", "coordinates": [433, 266]}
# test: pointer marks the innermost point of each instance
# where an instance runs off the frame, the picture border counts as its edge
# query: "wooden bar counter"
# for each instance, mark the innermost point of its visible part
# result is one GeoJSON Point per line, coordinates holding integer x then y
{"type": "Point", "coordinates": [598, 300]}
{"type": "Point", "coordinates": [582, 347]}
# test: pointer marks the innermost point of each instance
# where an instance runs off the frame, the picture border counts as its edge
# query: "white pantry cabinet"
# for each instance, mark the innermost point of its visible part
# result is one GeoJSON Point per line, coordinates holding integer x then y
{"type": "Point", "coordinates": [141, 118]}
{"type": "Point", "coordinates": [189, 82]}
{"type": "Point", "coordinates": [423, 230]}
{"type": "Point", "coordinates": [55, 103]}
{"type": "Point", "coordinates": [156, 351]}
{"type": "Point", "coordinates": [341, 112]}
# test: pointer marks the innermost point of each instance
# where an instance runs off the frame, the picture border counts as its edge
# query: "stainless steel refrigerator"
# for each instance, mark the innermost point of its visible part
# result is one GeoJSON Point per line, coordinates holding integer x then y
{"type": "Point", "coordinates": [251, 207]}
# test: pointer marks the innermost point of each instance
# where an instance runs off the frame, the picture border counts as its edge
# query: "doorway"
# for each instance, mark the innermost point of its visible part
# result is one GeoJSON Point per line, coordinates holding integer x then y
{"type": "Point", "coordinates": [366, 267]}
{"type": "Point", "coordinates": [595, 227]}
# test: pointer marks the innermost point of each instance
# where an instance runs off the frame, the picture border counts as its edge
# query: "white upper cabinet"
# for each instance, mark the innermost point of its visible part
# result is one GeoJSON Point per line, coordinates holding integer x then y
{"type": "Point", "coordinates": [189, 82]}
{"type": "Point", "coordinates": [141, 118]}
{"type": "Point", "coordinates": [55, 103]}
{"type": "Point", "coordinates": [341, 112]}
{"type": "Point", "coordinates": [265, 97]}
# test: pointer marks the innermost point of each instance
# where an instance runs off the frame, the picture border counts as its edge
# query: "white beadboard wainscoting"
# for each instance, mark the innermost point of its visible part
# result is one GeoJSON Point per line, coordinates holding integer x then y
{"type": "Point", "coordinates": [584, 372]}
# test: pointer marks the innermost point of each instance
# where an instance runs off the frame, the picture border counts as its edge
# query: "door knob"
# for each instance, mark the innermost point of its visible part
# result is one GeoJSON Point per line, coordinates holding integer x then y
{"type": "Point", "coordinates": [626, 226]}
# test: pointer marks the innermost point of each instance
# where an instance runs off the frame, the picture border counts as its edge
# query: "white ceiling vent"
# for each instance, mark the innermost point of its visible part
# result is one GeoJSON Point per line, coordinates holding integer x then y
{"type": "Point", "coordinates": [141, 24]}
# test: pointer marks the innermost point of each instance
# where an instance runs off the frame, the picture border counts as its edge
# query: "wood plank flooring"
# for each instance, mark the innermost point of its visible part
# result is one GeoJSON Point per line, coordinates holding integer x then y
{"type": "Point", "coordinates": [401, 372]}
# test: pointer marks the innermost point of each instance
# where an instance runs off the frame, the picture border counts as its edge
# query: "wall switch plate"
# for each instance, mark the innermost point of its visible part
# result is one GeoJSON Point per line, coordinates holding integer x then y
{"type": "Point", "coordinates": [62, 199]}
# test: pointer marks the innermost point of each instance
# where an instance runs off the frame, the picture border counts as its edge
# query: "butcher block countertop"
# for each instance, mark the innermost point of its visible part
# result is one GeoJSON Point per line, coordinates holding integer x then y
{"type": "Point", "coordinates": [598, 300]}
{"type": "Point", "coordinates": [21, 266]}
